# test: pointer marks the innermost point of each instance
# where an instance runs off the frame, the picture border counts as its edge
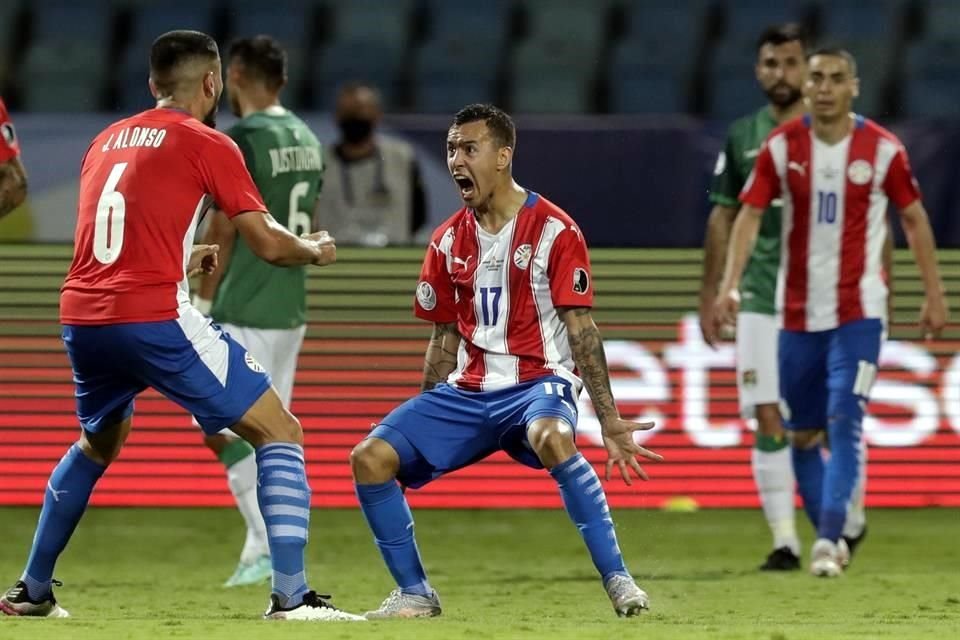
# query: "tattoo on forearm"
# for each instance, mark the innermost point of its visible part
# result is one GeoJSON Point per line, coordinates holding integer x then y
{"type": "Point", "coordinates": [441, 358]}
{"type": "Point", "coordinates": [13, 189]}
{"type": "Point", "coordinates": [588, 354]}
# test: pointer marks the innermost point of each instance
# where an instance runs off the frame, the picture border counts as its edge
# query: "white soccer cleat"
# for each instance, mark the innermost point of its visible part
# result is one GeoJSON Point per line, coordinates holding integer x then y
{"type": "Point", "coordinates": [627, 598]}
{"type": "Point", "coordinates": [313, 608]}
{"type": "Point", "coordinates": [828, 558]}
{"type": "Point", "coordinates": [407, 605]}
{"type": "Point", "coordinates": [16, 602]}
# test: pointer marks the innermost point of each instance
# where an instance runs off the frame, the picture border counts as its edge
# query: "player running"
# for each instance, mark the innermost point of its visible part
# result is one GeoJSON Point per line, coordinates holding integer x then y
{"type": "Point", "coordinates": [128, 323]}
{"type": "Point", "coordinates": [834, 171]}
{"type": "Point", "coordinates": [506, 284]}
{"type": "Point", "coordinates": [263, 307]}
{"type": "Point", "coordinates": [13, 177]}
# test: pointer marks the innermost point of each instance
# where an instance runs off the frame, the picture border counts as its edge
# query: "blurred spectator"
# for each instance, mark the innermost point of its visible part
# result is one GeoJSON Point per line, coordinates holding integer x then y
{"type": "Point", "coordinates": [372, 190]}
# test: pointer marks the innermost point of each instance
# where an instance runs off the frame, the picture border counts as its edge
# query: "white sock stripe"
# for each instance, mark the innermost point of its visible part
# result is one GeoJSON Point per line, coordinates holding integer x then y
{"type": "Point", "coordinates": [287, 450]}
{"type": "Point", "coordinates": [287, 531]}
{"type": "Point", "coordinates": [600, 499]}
{"type": "Point", "coordinates": [576, 465]}
{"type": "Point", "coordinates": [593, 488]}
{"type": "Point", "coordinates": [587, 476]}
{"type": "Point", "coordinates": [280, 462]}
{"type": "Point", "coordinates": [272, 510]}
{"type": "Point", "coordinates": [269, 476]}
{"type": "Point", "coordinates": [286, 492]}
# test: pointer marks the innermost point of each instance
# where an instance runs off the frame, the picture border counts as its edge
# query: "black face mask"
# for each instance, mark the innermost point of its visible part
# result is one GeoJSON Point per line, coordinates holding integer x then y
{"type": "Point", "coordinates": [355, 129]}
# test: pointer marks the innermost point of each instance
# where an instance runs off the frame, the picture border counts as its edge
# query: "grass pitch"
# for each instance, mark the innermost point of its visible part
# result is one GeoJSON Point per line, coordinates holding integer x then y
{"type": "Point", "coordinates": [138, 574]}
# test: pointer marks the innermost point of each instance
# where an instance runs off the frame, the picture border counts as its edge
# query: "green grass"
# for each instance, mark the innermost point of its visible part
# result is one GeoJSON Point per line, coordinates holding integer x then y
{"type": "Point", "coordinates": [135, 573]}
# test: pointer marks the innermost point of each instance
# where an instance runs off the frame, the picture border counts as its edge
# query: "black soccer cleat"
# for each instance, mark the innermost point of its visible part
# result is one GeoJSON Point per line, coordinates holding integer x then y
{"type": "Point", "coordinates": [782, 559]}
{"type": "Point", "coordinates": [854, 541]}
{"type": "Point", "coordinates": [16, 602]}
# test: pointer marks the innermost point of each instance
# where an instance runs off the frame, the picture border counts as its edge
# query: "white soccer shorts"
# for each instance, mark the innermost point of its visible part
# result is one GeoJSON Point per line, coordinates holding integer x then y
{"type": "Point", "coordinates": [276, 349]}
{"type": "Point", "coordinates": [758, 381]}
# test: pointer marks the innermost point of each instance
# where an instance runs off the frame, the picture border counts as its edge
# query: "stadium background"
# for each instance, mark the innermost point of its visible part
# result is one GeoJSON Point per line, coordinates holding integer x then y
{"type": "Point", "coordinates": [622, 107]}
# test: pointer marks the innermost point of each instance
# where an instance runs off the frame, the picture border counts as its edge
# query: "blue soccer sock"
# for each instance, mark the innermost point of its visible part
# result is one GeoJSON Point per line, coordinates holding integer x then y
{"type": "Point", "coordinates": [808, 467]}
{"type": "Point", "coordinates": [284, 498]}
{"type": "Point", "coordinates": [64, 502]}
{"type": "Point", "coordinates": [842, 473]}
{"type": "Point", "coordinates": [391, 522]}
{"type": "Point", "coordinates": [586, 505]}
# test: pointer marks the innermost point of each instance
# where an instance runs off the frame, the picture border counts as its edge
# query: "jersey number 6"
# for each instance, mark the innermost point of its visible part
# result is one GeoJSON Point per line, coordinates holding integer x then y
{"type": "Point", "coordinates": [108, 225]}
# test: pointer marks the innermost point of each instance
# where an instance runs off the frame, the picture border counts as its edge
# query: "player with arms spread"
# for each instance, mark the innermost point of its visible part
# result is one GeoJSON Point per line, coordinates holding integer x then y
{"type": "Point", "coordinates": [835, 172]}
{"type": "Point", "coordinates": [263, 307]}
{"type": "Point", "coordinates": [13, 178]}
{"type": "Point", "coordinates": [128, 323]}
{"type": "Point", "coordinates": [506, 284]}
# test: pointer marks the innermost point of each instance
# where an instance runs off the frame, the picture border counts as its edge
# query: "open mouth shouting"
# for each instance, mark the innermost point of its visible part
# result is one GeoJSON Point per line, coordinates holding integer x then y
{"type": "Point", "coordinates": [466, 185]}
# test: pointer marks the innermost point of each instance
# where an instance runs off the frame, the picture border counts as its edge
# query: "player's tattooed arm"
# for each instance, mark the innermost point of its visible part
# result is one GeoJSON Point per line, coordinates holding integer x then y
{"type": "Point", "coordinates": [441, 358]}
{"type": "Point", "coordinates": [590, 358]}
{"type": "Point", "coordinates": [587, 347]}
{"type": "Point", "coordinates": [13, 185]}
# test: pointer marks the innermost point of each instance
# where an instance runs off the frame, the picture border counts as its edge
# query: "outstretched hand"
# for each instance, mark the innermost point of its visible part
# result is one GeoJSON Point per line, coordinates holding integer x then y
{"type": "Point", "coordinates": [203, 259]}
{"type": "Point", "coordinates": [622, 451]}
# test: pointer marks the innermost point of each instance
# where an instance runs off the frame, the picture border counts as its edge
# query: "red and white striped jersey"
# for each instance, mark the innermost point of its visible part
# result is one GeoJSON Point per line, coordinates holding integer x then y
{"type": "Point", "coordinates": [834, 219]}
{"type": "Point", "coordinates": [503, 291]}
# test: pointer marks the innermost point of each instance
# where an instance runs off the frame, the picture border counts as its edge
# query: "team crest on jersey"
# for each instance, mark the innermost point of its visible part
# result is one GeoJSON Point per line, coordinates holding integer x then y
{"type": "Point", "coordinates": [581, 281]}
{"type": "Point", "coordinates": [750, 378]}
{"type": "Point", "coordinates": [252, 363]}
{"type": "Point", "coordinates": [860, 172]}
{"type": "Point", "coordinates": [426, 296]}
{"type": "Point", "coordinates": [521, 257]}
{"type": "Point", "coordinates": [9, 134]}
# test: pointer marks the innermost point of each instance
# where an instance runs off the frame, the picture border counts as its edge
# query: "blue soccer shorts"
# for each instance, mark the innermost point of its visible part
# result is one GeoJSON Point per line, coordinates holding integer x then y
{"type": "Point", "coordinates": [827, 373]}
{"type": "Point", "coordinates": [447, 428]}
{"type": "Point", "coordinates": [189, 360]}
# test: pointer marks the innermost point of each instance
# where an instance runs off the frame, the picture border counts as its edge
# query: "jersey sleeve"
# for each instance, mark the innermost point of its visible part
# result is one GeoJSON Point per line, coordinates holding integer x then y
{"type": "Point", "coordinates": [9, 145]}
{"type": "Point", "coordinates": [569, 270]}
{"type": "Point", "coordinates": [435, 299]}
{"type": "Point", "coordinates": [900, 185]}
{"type": "Point", "coordinates": [727, 180]}
{"type": "Point", "coordinates": [763, 185]}
{"type": "Point", "coordinates": [227, 179]}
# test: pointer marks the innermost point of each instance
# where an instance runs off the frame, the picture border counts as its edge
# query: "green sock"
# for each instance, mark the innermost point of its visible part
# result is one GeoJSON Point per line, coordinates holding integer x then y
{"type": "Point", "coordinates": [235, 451]}
{"type": "Point", "coordinates": [770, 444]}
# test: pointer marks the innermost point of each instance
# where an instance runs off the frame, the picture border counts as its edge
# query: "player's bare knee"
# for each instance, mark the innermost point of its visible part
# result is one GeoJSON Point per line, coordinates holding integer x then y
{"type": "Point", "coordinates": [289, 429]}
{"type": "Point", "coordinates": [103, 453]}
{"type": "Point", "coordinates": [805, 438]}
{"type": "Point", "coordinates": [374, 461]}
{"type": "Point", "coordinates": [769, 422]}
{"type": "Point", "coordinates": [552, 440]}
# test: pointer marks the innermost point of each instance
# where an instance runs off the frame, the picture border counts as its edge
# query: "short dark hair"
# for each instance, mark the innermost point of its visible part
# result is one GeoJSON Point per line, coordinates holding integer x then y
{"type": "Point", "coordinates": [500, 124]}
{"type": "Point", "coordinates": [173, 49]}
{"type": "Point", "coordinates": [263, 58]}
{"type": "Point", "coordinates": [837, 52]}
{"type": "Point", "coordinates": [781, 34]}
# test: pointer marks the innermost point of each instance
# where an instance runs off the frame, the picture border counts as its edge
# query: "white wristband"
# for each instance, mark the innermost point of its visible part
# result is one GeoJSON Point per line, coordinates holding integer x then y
{"type": "Point", "coordinates": [202, 305]}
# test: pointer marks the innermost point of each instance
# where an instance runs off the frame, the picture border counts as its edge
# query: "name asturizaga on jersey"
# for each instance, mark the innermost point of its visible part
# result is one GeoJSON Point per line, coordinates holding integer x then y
{"type": "Point", "coordinates": [286, 159]}
{"type": "Point", "coordinates": [135, 137]}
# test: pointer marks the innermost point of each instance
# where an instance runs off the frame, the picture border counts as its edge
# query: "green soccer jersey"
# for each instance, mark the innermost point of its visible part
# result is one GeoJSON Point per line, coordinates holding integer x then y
{"type": "Point", "coordinates": [285, 160]}
{"type": "Point", "coordinates": [744, 138]}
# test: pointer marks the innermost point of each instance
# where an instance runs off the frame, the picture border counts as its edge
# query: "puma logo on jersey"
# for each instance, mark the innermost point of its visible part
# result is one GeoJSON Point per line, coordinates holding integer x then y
{"type": "Point", "coordinates": [465, 263]}
{"type": "Point", "coordinates": [56, 494]}
{"type": "Point", "coordinates": [796, 166]}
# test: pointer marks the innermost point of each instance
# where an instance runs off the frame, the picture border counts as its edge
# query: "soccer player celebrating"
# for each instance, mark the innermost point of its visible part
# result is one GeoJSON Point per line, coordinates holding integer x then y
{"type": "Point", "coordinates": [835, 172]}
{"type": "Point", "coordinates": [263, 307]}
{"type": "Point", "coordinates": [13, 178]}
{"type": "Point", "coordinates": [506, 283]}
{"type": "Point", "coordinates": [128, 323]}
{"type": "Point", "coordinates": [781, 63]}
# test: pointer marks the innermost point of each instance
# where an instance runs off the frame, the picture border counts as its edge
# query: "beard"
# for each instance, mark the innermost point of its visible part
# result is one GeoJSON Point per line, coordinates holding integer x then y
{"type": "Point", "coordinates": [783, 95]}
